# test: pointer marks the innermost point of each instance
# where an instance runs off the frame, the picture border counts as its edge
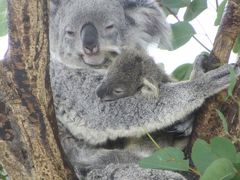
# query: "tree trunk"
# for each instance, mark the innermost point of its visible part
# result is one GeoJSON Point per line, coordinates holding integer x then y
{"type": "Point", "coordinates": [29, 146]}
{"type": "Point", "coordinates": [208, 123]}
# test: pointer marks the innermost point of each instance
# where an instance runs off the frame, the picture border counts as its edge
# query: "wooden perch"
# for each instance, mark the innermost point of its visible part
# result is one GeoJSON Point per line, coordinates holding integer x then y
{"type": "Point", "coordinates": [208, 124]}
{"type": "Point", "coordinates": [227, 33]}
{"type": "Point", "coordinates": [29, 146]}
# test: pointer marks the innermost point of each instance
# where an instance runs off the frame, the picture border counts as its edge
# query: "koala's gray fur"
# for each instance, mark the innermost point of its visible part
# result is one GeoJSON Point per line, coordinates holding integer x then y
{"type": "Point", "coordinates": [114, 23]}
{"type": "Point", "coordinates": [104, 130]}
{"type": "Point", "coordinates": [133, 70]}
{"type": "Point", "coordinates": [108, 137]}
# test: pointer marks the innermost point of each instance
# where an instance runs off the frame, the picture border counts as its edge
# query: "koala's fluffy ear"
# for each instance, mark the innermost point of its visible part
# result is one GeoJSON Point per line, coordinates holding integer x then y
{"type": "Point", "coordinates": [54, 4]}
{"type": "Point", "coordinates": [147, 22]}
{"type": "Point", "coordinates": [150, 89]}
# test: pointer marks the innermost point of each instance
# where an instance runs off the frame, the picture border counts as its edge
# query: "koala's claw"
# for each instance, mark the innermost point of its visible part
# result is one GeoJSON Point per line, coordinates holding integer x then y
{"type": "Point", "coordinates": [183, 128]}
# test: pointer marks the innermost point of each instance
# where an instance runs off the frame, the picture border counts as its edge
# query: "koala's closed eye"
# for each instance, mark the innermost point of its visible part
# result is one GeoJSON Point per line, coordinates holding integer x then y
{"type": "Point", "coordinates": [109, 27]}
{"type": "Point", "coordinates": [119, 91]}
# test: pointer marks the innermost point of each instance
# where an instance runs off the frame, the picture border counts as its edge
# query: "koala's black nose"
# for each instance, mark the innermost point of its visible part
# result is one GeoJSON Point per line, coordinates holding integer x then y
{"type": "Point", "coordinates": [89, 35]}
{"type": "Point", "coordinates": [100, 92]}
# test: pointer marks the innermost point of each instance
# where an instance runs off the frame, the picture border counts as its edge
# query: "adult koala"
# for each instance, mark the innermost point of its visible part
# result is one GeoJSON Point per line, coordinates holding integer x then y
{"type": "Point", "coordinates": [104, 140]}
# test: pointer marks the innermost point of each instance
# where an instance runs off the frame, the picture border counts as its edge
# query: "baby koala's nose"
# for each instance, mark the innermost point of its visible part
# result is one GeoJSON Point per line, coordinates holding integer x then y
{"type": "Point", "coordinates": [100, 92]}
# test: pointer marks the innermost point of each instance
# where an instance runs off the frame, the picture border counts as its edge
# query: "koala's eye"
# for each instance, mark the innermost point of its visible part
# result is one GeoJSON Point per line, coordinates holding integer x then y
{"type": "Point", "coordinates": [70, 32]}
{"type": "Point", "coordinates": [118, 91]}
{"type": "Point", "coordinates": [109, 27]}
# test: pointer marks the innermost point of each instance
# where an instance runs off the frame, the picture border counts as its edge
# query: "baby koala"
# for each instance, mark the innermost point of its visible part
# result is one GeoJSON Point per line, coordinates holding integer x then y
{"type": "Point", "coordinates": [131, 71]}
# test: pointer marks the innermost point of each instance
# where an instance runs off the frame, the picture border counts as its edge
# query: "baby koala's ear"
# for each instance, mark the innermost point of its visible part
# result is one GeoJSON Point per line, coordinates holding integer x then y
{"type": "Point", "coordinates": [150, 89]}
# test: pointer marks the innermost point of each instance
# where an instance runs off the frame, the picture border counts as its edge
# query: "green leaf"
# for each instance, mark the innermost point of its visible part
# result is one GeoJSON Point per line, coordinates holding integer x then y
{"type": "Point", "coordinates": [167, 158]}
{"type": "Point", "coordinates": [238, 158]}
{"type": "Point", "coordinates": [3, 17]}
{"type": "Point", "coordinates": [224, 121]}
{"type": "Point", "coordinates": [182, 72]}
{"type": "Point", "coordinates": [220, 11]}
{"type": "Point", "coordinates": [3, 28]}
{"type": "Point", "coordinates": [237, 177]}
{"type": "Point", "coordinates": [194, 9]}
{"type": "Point", "coordinates": [167, 12]}
{"type": "Point", "coordinates": [221, 169]}
{"type": "Point", "coordinates": [223, 148]}
{"type": "Point", "coordinates": [237, 161]}
{"type": "Point", "coordinates": [3, 5]}
{"type": "Point", "coordinates": [236, 47]}
{"type": "Point", "coordinates": [233, 81]}
{"type": "Point", "coordinates": [181, 33]}
{"type": "Point", "coordinates": [175, 3]}
{"type": "Point", "coordinates": [202, 155]}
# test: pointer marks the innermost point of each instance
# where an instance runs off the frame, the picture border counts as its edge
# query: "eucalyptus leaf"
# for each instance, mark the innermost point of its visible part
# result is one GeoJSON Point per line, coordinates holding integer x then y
{"type": "Point", "coordinates": [236, 47]}
{"type": "Point", "coordinates": [224, 121]}
{"type": "Point", "coordinates": [194, 9]}
{"type": "Point", "coordinates": [168, 158]}
{"type": "Point", "coordinates": [220, 12]}
{"type": "Point", "coordinates": [175, 3]}
{"type": "Point", "coordinates": [3, 5]}
{"type": "Point", "coordinates": [3, 17]}
{"type": "Point", "coordinates": [223, 148]}
{"type": "Point", "coordinates": [238, 158]}
{"type": "Point", "coordinates": [3, 28]}
{"type": "Point", "coordinates": [220, 169]}
{"type": "Point", "coordinates": [181, 33]}
{"type": "Point", "coordinates": [202, 155]}
{"type": "Point", "coordinates": [183, 72]}
{"type": "Point", "coordinates": [168, 11]}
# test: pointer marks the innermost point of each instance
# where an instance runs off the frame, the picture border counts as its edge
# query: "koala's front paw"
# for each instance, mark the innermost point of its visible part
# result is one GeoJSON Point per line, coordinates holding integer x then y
{"type": "Point", "coordinates": [216, 80]}
{"type": "Point", "coordinates": [203, 64]}
{"type": "Point", "coordinates": [182, 128]}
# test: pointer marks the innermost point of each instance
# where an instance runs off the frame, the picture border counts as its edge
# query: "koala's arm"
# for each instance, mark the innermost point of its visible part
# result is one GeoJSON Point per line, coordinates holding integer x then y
{"type": "Point", "coordinates": [86, 116]}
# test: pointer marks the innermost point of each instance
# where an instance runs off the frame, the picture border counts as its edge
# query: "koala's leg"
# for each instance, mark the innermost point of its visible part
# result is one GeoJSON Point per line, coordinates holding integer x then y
{"type": "Point", "coordinates": [85, 157]}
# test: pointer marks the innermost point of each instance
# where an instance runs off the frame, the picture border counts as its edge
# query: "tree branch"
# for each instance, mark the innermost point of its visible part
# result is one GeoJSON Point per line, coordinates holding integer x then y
{"type": "Point", "coordinates": [227, 33]}
{"type": "Point", "coordinates": [29, 146]}
{"type": "Point", "coordinates": [208, 123]}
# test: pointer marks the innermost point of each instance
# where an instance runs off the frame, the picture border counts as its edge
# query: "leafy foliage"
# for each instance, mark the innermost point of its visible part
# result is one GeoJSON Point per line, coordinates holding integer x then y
{"type": "Point", "coordinates": [217, 160]}
{"type": "Point", "coordinates": [175, 4]}
{"type": "Point", "coordinates": [2, 174]}
{"type": "Point", "coordinates": [167, 158]}
{"type": "Point", "coordinates": [183, 72]}
{"type": "Point", "coordinates": [194, 9]}
{"type": "Point", "coordinates": [236, 48]}
{"type": "Point", "coordinates": [224, 121]}
{"type": "Point", "coordinates": [3, 17]}
{"type": "Point", "coordinates": [220, 169]}
{"type": "Point", "coordinates": [202, 155]}
{"type": "Point", "coordinates": [220, 11]}
{"type": "Point", "coordinates": [182, 32]}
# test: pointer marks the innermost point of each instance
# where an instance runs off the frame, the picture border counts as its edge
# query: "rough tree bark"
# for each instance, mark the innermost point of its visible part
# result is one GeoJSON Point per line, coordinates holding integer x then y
{"type": "Point", "coordinates": [29, 147]}
{"type": "Point", "coordinates": [208, 123]}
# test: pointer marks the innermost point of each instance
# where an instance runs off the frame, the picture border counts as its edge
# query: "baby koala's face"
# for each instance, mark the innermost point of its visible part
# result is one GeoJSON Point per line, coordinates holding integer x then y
{"type": "Point", "coordinates": [123, 78]}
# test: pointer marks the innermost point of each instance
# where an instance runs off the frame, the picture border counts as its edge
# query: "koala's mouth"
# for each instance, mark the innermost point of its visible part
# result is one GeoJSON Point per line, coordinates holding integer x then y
{"type": "Point", "coordinates": [96, 62]}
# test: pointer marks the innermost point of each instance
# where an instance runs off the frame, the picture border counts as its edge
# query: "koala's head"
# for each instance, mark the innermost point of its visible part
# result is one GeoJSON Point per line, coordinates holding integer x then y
{"type": "Point", "coordinates": [123, 78]}
{"type": "Point", "coordinates": [81, 31]}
